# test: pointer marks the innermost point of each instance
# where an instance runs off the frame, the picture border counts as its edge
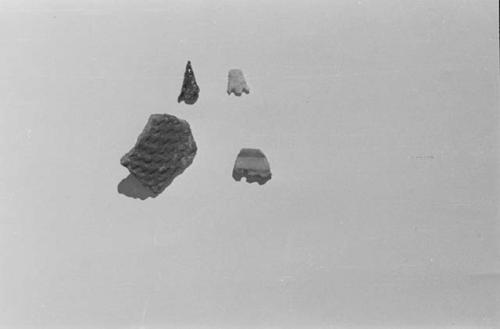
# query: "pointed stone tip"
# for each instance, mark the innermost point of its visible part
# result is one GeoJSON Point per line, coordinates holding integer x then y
{"type": "Point", "coordinates": [190, 90]}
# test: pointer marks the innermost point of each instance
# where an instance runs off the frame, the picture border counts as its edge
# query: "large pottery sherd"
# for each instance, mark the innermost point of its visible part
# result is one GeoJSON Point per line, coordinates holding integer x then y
{"type": "Point", "coordinates": [164, 149]}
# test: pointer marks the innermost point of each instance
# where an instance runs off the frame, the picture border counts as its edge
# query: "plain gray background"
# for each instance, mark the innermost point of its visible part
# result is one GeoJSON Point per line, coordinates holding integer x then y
{"type": "Point", "coordinates": [379, 120]}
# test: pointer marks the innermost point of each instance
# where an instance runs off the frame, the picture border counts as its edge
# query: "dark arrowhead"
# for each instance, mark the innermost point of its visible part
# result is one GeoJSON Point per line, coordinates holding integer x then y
{"type": "Point", "coordinates": [163, 150]}
{"type": "Point", "coordinates": [190, 90]}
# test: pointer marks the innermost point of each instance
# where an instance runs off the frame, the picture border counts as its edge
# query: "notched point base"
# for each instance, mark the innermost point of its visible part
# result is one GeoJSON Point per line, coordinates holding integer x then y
{"type": "Point", "coordinates": [236, 93]}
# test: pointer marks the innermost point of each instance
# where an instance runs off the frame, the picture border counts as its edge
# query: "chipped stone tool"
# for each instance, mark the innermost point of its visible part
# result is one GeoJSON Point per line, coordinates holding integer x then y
{"type": "Point", "coordinates": [236, 83]}
{"type": "Point", "coordinates": [190, 90]}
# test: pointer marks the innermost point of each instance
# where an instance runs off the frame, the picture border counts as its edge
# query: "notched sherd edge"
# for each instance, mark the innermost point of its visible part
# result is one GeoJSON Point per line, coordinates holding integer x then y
{"type": "Point", "coordinates": [253, 165]}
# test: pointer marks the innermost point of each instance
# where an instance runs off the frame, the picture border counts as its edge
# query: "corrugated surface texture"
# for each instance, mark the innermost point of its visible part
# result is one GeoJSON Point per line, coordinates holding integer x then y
{"type": "Point", "coordinates": [163, 151]}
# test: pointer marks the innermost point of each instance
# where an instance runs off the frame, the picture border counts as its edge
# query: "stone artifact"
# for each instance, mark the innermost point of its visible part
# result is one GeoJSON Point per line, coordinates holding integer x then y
{"type": "Point", "coordinates": [131, 187]}
{"type": "Point", "coordinates": [253, 165]}
{"type": "Point", "coordinates": [236, 83]}
{"type": "Point", "coordinates": [163, 150]}
{"type": "Point", "coordinates": [190, 90]}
